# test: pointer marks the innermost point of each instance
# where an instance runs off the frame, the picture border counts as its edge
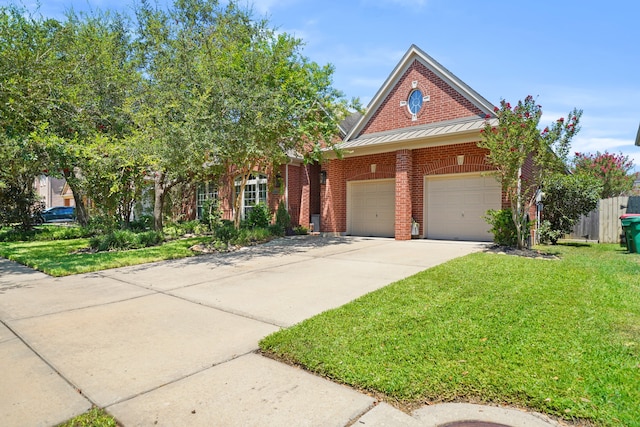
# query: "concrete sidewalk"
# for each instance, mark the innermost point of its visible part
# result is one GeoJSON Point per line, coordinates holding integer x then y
{"type": "Point", "coordinates": [174, 343]}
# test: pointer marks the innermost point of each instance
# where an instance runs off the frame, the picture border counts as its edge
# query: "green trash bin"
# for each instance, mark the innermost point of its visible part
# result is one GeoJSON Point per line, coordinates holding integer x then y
{"type": "Point", "coordinates": [631, 228]}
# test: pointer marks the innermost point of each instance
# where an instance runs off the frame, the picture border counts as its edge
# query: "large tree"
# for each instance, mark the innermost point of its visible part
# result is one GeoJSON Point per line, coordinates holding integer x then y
{"type": "Point", "coordinates": [27, 55]}
{"type": "Point", "coordinates": [170, 126]}
{"type": "Point", "coordinates": [515, 143]}
{"type": "Point", "coordinates": [97, 77]}
{"type": "Point", "coordinates": [226, 96]}
{"type": "Point", "coordinates": [275, 101]}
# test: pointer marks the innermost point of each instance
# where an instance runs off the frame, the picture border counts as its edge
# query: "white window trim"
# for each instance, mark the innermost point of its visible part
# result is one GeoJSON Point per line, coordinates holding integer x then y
{"type": "Point", "coordinates": [257, 180]}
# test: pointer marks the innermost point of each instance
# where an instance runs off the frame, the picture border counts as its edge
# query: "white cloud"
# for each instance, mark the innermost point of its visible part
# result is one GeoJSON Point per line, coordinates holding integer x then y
{"type": "Point", "coordinates": [612, 145]}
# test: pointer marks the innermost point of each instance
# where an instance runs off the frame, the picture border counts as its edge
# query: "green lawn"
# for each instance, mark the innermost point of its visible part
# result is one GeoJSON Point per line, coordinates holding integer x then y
{"type": "Point", "coordinates": [59, 257]}
{"type": "Point", "coordinates": [560, 337]}
{"type": "Point", "coordinates": [94, 418]}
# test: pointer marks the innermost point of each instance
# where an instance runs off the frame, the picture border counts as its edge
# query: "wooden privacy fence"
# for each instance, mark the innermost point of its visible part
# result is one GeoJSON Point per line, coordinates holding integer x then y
{"type": "Point", "coordinates": [603, 223]}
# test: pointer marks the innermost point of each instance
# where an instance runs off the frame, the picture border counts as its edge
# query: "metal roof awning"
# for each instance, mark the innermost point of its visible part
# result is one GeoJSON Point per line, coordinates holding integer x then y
{"type": "Point", "coordinates": [414, 133]}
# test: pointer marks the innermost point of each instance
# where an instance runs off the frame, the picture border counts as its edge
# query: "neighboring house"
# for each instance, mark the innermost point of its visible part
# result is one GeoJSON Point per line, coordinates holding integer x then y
{"type": "Point", "coordinates": [638, 137]}
{"type": "Point", "coordinates": [53, 191]}
{"type": "Point", "coordinates": [412, 157]}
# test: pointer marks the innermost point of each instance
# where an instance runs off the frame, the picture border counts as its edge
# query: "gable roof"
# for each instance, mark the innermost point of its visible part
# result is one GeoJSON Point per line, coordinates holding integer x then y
{"type": "Point", "coordinates": [414, 53]}
{"type": "Point", "coordinates": [638, 137]}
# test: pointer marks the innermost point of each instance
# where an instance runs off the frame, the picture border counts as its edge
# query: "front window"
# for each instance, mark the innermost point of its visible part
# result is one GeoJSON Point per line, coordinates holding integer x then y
{"type": "Point", "coordinates": [205, 191]}
{"type": "Point", "coordinates": [255, 191]}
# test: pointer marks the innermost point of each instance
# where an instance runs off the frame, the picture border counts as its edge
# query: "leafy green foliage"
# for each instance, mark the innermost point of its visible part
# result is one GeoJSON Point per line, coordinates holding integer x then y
{"type": "Point", "coordinates": [283, 220]}
{"type": "Point", "coordinates": [250, 236]}
{"type": "Point", "coordinates": [612, 170]}
{"type": "Point", "coordinates": [513, 140]}
{"type": "Point", "coordinates": [19, 204]}
{"type": "Point", "coordinates": [44, 233]}
{"type": "Point", "coordinates": [211, 214]}
{"type": "Point", "coordinates": [300, 230]}
{"type": "Point", "coordinates": [197, 90]}
{"type": "Point", "coordinates": [125, 239]}
{"type": "Point", "coordinates": [502, 227]}
{"type": "Point", "coordinates": [225, 231]}
{"type": "Point", "coordinates": [566, 198]}
{"type": "Point", "coordinates": [259, 216]}
{"type": "Point", "coordinates": [142, 223]}
{"type": "Point", "coordinates": [176, 230]}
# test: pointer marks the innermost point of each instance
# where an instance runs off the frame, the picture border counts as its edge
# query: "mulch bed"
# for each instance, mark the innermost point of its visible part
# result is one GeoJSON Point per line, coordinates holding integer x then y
{"type": "Point", "coordinates": [527, 253]}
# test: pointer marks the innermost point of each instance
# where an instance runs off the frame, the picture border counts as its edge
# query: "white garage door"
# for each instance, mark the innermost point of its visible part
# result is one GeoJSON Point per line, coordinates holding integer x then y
{"type": "Point", "coordinates": [371, 208]}
{"type": "Point", "coordinates": [456, 206]}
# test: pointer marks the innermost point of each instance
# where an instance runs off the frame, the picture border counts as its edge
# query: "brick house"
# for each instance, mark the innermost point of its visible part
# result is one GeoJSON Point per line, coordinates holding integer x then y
{"type": "Point", "coordinates": [412, 158]}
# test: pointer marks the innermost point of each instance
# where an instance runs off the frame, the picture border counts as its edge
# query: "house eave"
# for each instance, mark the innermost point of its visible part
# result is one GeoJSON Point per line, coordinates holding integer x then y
{"type": "Point", "coordinates": [444, 133]}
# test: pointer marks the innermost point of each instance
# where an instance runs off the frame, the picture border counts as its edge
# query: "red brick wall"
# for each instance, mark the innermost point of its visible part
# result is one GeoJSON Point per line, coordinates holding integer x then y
{"type": "Point", "coordinates": [333, 196]}
{"type": "Point", "coordinates": [304, 192]}
{"type": "Point", "coordinates": [424, 161]}
{"type": "Point", "coordinates": [294, 188]}
{"type": "Point", "coordinates": [445, 102]}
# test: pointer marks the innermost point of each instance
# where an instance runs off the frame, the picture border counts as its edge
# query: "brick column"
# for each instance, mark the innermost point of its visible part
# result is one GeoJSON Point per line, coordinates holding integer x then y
{"type": "Point", "coordinates": [404, 165]}
{"type": "Point", "coordinates": [333, 218]}
{"type": "Point", "coordinates": [305, 188]}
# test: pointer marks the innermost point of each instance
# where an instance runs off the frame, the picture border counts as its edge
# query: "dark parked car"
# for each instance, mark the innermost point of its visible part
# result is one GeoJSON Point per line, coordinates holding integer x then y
{"type": "Point", "coordinates": [58, 213]}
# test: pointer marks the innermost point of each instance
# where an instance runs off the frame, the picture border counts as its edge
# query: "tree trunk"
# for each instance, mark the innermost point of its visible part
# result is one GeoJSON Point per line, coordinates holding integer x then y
{"type": "Point", "coordinates": [158, 205]}
{"type": "Point", "coordinates": [237, 204]}
{"type": "Point", "coordinates": [82, 216]}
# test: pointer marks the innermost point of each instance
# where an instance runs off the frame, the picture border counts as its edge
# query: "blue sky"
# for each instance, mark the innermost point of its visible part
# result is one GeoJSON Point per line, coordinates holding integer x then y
{"type": "Point", "coordinates": [574, 53]}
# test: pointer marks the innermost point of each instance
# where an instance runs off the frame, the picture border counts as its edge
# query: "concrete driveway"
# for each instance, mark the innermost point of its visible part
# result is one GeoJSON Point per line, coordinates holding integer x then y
{"type": "Point", "coordinates": [173, 343]}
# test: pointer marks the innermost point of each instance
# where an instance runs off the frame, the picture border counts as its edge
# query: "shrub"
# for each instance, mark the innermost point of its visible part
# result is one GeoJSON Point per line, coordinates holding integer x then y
{"type": "Point", "coordinates": [283, 220]}
{"type": "Point", "coordinates": [102, 224]}
{"type": "Point", "coordinates": [300, 230]}
{"type": "Point", "coordinates": [277, 230]}
{"type": "Point", "coordinates": [259, 216]}
{"type": "Point", "coordinates": [143, 223]}
{"type": "Point", "coordinates": [125, 239]}
{"type": "Point", "coordinates": [248, 236]}
{"type": "Point", "coordinates": [189, 227]}
{"type": "Point", "coordinates": [10, 234]}
{"type": "Point", "coordinates": [225, 232]}
{"type": "Point", "coordinates": [175, 230]}
{"type": "Point", "coordinates": [44, 233]}
{"type": "Point", "coordinates": [566, 198]}
{"type": "Point", "coordinates": [150, 238]}
{"type": "Point", "coordinates": [211, 214]}
{"type": "Point", "coordinates": [502, 227]}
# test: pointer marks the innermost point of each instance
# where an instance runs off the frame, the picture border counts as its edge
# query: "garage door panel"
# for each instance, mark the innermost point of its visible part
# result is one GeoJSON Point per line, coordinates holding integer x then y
{"type": "Point", "coordinates": [371, 208]}
{"type": "Point", "coordinates": [456, 207]}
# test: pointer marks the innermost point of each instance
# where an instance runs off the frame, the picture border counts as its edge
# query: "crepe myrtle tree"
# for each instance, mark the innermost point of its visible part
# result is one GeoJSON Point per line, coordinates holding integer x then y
{"type": "Point", "coordinates": [515, 143]}
{"type": "Point", "coordinates": [613, 171]}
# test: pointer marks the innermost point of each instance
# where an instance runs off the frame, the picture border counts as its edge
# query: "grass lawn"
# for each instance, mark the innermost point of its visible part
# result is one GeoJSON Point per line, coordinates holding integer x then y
{"type": "Point", "coordinates": [560, 337]}
{"type": "Point", "coordinates": [59, 257]}
{"type": "Point", "coordinates": [94, 418]}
